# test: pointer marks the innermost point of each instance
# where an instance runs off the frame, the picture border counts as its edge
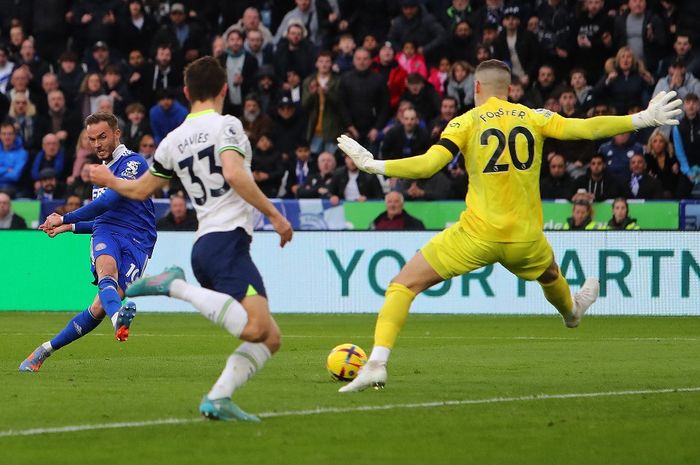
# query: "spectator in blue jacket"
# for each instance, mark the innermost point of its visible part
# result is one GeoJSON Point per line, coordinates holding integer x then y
{"type": "Point", "coordinates": [618, 151]}
{"type": "Point", "coordinates": [50, 156]}
{"type": "Point", "coordinates": [13, 158]}
{"type": "Point", "coordinates": [166, 115]}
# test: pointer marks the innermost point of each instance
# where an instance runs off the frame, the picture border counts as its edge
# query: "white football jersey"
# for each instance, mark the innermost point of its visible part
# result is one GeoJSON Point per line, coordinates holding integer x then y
{"type": "Point", "coordinates": [193, 152]}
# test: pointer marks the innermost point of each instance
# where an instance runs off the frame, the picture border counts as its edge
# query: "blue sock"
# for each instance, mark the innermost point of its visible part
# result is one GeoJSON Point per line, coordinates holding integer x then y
{"type": "Point", "coordinates": [109, 296]}
{"type": "Point", "coordinates": [76, 328]}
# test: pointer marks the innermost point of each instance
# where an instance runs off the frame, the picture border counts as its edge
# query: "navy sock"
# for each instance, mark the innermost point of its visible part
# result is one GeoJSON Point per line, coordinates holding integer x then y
{"type": "Point", "coordinates": [109, 297]}
{"type": "Point", "coordinates": [76, 328]}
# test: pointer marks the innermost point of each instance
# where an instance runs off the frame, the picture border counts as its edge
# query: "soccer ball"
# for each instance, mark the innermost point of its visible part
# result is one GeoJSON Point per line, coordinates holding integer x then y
{"type": "Point", "coordinates": [345, 361]}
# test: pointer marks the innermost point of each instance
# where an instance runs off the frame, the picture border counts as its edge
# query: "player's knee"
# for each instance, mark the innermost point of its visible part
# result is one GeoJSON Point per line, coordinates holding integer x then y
{"type": "Point", "coordinates": [255, 331]}
{"type": "Point", "coordinates": [550, 274]}
{"type": "Point", "coordinates": [274, 340]}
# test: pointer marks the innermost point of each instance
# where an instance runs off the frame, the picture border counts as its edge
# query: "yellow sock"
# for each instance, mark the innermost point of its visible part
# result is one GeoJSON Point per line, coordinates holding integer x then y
{"type": "Point", "coordinates": [558, 294]}
{"type": "Point", "coordinates": [393, 314]}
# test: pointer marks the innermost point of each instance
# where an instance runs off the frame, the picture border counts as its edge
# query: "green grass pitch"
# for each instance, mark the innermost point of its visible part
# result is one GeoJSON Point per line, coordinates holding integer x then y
{"type": "Point", "coordinates": [490, 365]}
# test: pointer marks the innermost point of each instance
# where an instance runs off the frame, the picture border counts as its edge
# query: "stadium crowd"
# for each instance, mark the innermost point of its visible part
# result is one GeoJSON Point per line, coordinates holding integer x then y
{"type": "Point", "coordinates": [391, 73]}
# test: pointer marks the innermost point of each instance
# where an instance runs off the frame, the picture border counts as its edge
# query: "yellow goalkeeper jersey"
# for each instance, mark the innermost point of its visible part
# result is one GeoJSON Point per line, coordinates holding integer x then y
{"type": "Point", "coordinates": [502, 147]}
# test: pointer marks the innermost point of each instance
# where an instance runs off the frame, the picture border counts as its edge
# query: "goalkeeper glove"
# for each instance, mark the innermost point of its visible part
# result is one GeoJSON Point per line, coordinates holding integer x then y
{"type": "Point", "coordinates": [662, 110]}
{"type": "Point", "coordinates": [362, 157]}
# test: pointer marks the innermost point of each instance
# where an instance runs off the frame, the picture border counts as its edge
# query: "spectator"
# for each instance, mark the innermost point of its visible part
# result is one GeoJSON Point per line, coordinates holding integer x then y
{"type": "Point", "coordinates": [517, 46]}
{"type": "Point", "coordinates": [544, 87]}
{"type": "Point", "coordinates": [393, 74]}
{"type": "Point", "coordinates": [489, 15]}
{"type": "Point", "coordinates": [558, 184]}
{"type": "Point", "coordinates": [448, 110]}
{"type": "Point", "coordinates": [415, 24]}
{"type": "Point", "coordinates": [406, 139]}
{"type": "Point", "coordinates": [317, 185]}
{"type": "Point", "coordinates": [147, 148]}
{"type": "Point", "coordinates": [90, 89]}
{"type": "Point", "coordinates": [6, 67]}
{"type": "Point", "coordinates": [594, 40]}
{"type": "Point", "coordinates": [92, 21]}
{"type": "Point", "coordinates": [314, 14]}
{"type": "Point", "coordinates": [460, 85]}
{"type": "Point", "coordinates": [294, 51]}
{"type": "Point", "coordinates": [516, 91]}
{"type": "Point", "coordinates": [17, 37]}
{"type": "Point", "coordinates": [267, 166]}
{"type": "Point", "coordinates": [20, 83]}
{"type": "Point", "coordinates": [185, 37]}
{"type": "Point", "coordinates": [136, 126]}
{"type": "Point", "coordinates": [686, 140]}
{"type": "Point", "coordinates": [662, 164]}
{"type": "Point", "coordinates": [366, 97]}
{"type": "Point", "coordinates": [31, 61]}
{"type": "Point", "coordinates": [346, 50]}
{"type": "Point", "coordinates": [288, 129]}
{"type": "Point", "coordinates": [166, 115]}
{"type": "Point", "coordinates": [459, 11]}
{"type": "Point", "coordinates": [101, 58]}
{"type": "Point", "coordinates": [424, 98]}
{"type": "Point", "coordinates": [411, 60]}
{"type": "Point", "coordinates": [254, 44]}
{"type": "Point", "coordinates": [627, 83]}
{"type": "Point", "coordinates": [49, 27]}
{"type": "Point", "coordinates": [349, 183]}
{"type": "Point", "coordinates": [137, 72]}
{"type": "Point", "coordinates": [684, 52]}
{"type": "Point", "coordinates": [71, 203]}
{"type": "Point", "coordinates": [461, 43]}
{"type": "Point", "coordinates": [555, 21]}
{"type": "Point", "coordinates": [291, 87]}
{"type": "Point", "coordinates": [641, 184]}
{"type": "Point", "coordinates": [299, 169]}
{"type": "Point", "coordinates": [117, 88]}
{"type": "Point", "coordinates": [267, 90]}
{"type": "Point", "coordinates": [218, 47]}
{"type": "Point", "coordinates": [438, 77]}
{"type": "Point", "coordinates": [255, 122]}
{"type": "Point", "coordinates": [66, 124]}
{"type": "Point", "coordinates": [597, 183]}
{"type": "Point", "coordinates": [51, 156]}
{"type": "Point", "coordinates": [70, 76]}
{"type": "Point", "coordinates": [395, 218]}
{"type": "Point", "coordinates": [13, 159]}
{"type": "Point", "coordinates": [22, 114]}
{"type": "Point", "coordinates": [323, 103]}
{"type": "Point", "coordinates": [49, 188]}
{"type": "Point", "coordinates": [369, 43]}
{"type": "Point", "coordinates": [83, 153]}
{"type": "Point", "coordinates": [485, 50]}
{"type": "Point", "coordinates": [105, 104]}
{"type": "Point", "coordinates": [678, 79]}
{"type": "Point", "coordinates": [438, 187]}
{"type": "Point", "coordinates": [643, 31]}
{"type": "Point", "coordinates": [581, 218]}
{"type": "Point", "coordinates": [163, 73]}
{"type": "Point", "coordinates": [369, 17]}
{"type": "Point", "coordinates": [8, 218]}
{"type": "Point", "coordinates": [179, 217]}
{"type": "Point", "coordinates": [617, 153]}
{"type": "Point", "coordinates": [136, 28]}
{"type": "Point", "coordinates": [81, 186]}
{"type": "Point", "coordinates": [621, 220]}
{"type": "Point", "coordinates": [241, 68]}
{"type": "Point", "coordinates": [584, 92]}
{"type": "Point", "coordinates": [250, 22]}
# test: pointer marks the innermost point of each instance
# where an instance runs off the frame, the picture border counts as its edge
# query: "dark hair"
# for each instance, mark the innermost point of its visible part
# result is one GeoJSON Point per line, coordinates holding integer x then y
{"type": "Point", "coordinates": [133, 107]}
{"type": "Point", "coordinates": [598, 155]}
{"type": "Point", "coordinates": [449, 97]}
{"type": "Point", "coordinates": [414, 78]}
{"type": "Point", "coordinates": [204, 79]}
{"type": "Point", "coordinates": [324, 53]}
{"type": "Point", "coordinates": [691, 97]}
{"type": "Point", "coordinates": [113, 69]}
{"type": "Point", "coordinates": [100, 116]}
{"type": "Point", "coordinates": [5, 124]}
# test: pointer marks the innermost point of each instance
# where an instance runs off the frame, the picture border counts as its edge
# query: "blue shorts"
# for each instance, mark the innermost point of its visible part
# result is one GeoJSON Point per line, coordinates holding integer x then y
{"type": "Point", "coordinates": [131, 261]}
{"type": "Point", "coordinates": [221, 262]}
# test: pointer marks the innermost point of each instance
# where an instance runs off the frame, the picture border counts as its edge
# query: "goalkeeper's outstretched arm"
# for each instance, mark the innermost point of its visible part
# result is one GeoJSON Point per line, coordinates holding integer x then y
{"type": "Point", "coordinates": [418, 167]}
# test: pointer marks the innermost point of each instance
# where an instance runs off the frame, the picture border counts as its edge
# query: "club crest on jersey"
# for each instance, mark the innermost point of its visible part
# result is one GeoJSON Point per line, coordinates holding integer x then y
{"type": "Point", "coordinates": [131, 170]}
{"type": "Point", "coordinates": [100, 246]}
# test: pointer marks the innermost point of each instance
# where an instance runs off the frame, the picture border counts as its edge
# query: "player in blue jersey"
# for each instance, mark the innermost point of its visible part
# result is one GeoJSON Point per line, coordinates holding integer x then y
{"type": "Point", "coordinates": [123, 236]}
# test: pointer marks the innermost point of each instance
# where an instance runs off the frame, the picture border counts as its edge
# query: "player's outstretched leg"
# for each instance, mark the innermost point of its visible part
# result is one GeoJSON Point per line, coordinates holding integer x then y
{"type": "Point", "coordinates": [77, 327]}
{"type": "Point", "coordinates": [583, 299]}
{"type": "Point", "coordinates": [155, 285]}
{"type": "Point", "coordinates": [123, 321]}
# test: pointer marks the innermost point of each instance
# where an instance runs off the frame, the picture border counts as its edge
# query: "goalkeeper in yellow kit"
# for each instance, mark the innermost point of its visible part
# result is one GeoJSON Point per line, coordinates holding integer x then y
{"type": "Point", "coordinates": [502, 147]}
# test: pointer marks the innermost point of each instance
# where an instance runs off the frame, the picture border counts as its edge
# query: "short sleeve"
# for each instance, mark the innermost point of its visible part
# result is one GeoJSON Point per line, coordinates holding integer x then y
{"type": "Point", "coordinates": [162, 161]}
{"type": "Point", "coordinates": [232, 137]}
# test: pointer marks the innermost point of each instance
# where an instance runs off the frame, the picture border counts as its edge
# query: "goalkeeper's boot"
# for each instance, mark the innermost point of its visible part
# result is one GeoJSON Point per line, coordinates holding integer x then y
{"type": "Point", "coordinates": [125, 316]}
{"type": "Point", "coordinates": [583, 299]}
{"type": "Point", "coordinates": [224, 409]}
{"type": "Point", "coordinates": [372, 374]}
{"type": "Point", "coordinates": [155, 285]}
{"type": "Point", "coordinates": [35, 359]}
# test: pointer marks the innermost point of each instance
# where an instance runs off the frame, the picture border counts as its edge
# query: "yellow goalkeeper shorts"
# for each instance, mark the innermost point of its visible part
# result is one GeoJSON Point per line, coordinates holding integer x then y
{"type": "Point", "coordinates": [454, 252]}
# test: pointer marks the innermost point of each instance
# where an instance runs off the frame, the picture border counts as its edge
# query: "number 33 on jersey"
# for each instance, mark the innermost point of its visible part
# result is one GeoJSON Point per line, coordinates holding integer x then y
{"type": "Point", "coordinates": [193, 153]}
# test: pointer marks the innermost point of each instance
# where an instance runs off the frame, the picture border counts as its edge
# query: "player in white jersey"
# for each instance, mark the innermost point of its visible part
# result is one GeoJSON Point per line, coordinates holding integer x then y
{"type": "Point", "coordinates": [211, 155]}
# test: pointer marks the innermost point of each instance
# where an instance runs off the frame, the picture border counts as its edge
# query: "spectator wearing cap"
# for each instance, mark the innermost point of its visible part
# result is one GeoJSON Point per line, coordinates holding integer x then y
{"type": "Point", "coordinates": [241, 68]}
{"type": "Point", "coordinates": [295, 52]}
{"type": "Point", "coordinates": [187, 38]}
{"type": "Point", "coordinates": [136, 28]}
{"type": "Point", "coordinates": [423, 96]}
{"type": "Point", "coordinates": [250, 21]}
{"type": "Point", "coordinates": [70, 75]}
{"type": "Point", "coordinates": [49, 187]}
{"type": "Point", "coordinates": [289, 127]}
{"type": "Point", "coordinates": [322, 102]}
{"type": "Point", "coordinates": [255, 121]}
{"type": "Point", "coordinates": [367, 100]}
{"type": "Point", "coordinates": [8, 218]}
{"type": "Point", "coordinates": [60, 120]}
{"type": "Point", "coordinates": [457, 12]}
{"type": "Point", "coordinates": [100, 58]}
{"type": "Point", "coordinates": [415, 24]}
{"type": "Point", "coordinates": [92, 21]}
{"type": "Point", "coordinates": [6, 67]}
{"type": "Point", "coordinates": [394, 75]}
{"type": "Point", "coordinates": [51, 156]}
{"type": "Point", "coordinates": [314, 15]}
{"type": "Point", "coordinates": [163, 73]}
{"type": "Point", "coordinates": [682, 51]}
{"type": "Point", "coordinates": [679, 80]}
{"type": "Point", "coordinates": [643, 31]}
{"type": "Point", "coordinates": [166, 115]}
{"type": "Point", "coordinates": [13, 158]}
{"type": "Point", "coordinates": [254, 44]}
{"type": "Point", "coordinates": [517, 46]}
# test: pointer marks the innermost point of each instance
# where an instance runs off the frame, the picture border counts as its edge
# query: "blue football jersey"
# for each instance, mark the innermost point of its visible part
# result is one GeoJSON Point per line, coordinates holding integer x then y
{"type": "Point", "coordinates": [132, 219]}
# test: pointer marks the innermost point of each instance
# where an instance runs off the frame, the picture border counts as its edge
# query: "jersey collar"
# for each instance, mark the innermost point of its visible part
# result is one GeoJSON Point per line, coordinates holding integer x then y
{"type": "Point", "coordinates": [201, 113]}
{"type": "Point", "coordinates": [117, 154]}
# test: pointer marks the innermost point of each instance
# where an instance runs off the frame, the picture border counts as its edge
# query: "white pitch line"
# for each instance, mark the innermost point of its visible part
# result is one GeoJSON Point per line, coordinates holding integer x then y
{"type": "Point", "coordinates": [364, 408]}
